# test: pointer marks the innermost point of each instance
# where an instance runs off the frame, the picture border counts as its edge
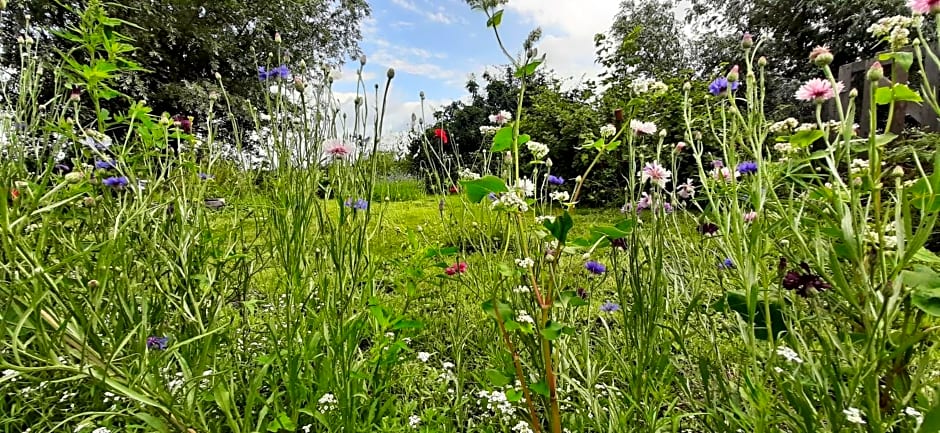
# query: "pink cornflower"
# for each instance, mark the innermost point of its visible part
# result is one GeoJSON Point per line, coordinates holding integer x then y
{"type": "Point", "coordinates": [655, 173]}
{"type": "Point", "coordinates": [337, 149]}
{"type": "Point", "coordinates": [924, 6]}
{"type": "Point", "coordinates": [501, 118]}
{"type": "Point", "coordinates": [679, 146]}
{"type": "Point", "coordinates": [818, 90]}
{"type": "Point", "coordinates": [750, 217]}
{"type": "Point", "coordinates": [640, 127]}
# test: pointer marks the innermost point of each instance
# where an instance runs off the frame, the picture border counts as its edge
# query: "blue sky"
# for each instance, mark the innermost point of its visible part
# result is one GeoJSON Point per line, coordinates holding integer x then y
{"type": "Point", "coordinates": [434, 46]}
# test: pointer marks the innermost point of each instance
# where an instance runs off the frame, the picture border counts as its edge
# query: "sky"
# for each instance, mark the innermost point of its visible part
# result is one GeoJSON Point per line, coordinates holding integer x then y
{"type": "Point", "coordinates": [435, 45]}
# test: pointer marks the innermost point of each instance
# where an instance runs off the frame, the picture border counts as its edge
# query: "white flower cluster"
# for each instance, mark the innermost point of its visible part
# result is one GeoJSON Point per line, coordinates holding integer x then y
{"type": "Point", "coordinates": [784, 126]}
{"type": "Point", "coordinates": [896, 29]}
{"type": "Point", "coordinates": [526, 187]}
{"type": "Point", "coordinates": [521, 427]}
{"type": "Point", "coordinates": [525, 263]}
{"type": "Point", "coordinates": [644, 85]}
{"type": "Point", "coordinates": [521, 289]}
{"type": "Point", "coordinates": [608, 130]}
{"type": "Point", "coordinates": [328, 403]}
{"type": "Point", "coordinates": [805, 127]}
{"type": "Point", "coordinates": [858, 166]}
{"type": "Point", "coordinates": [539, 151]}
{"type": "Point", "coordinates": [890, 236]}
{"type": "Point", "coordinates": [789, 354]}
{"type": "Point", "coordinates": [853, 415]}
{"type": "Point", "coordinates": [414, 421]}
{"type": "Point", "coordinates": [785, 148]}
{"type": "Point", "coordinates": [467, 174]}
{"type": "Point", "coordinates": [510, 201]}
{"type": "Point", "coordinates": [497, 404]}
{"type": "Point", "coordinates": [424, 356]}
{"type": "Point", "coordinates": [488, 130]}
{"type": "Point", "coordinates": [561, 196]}
{"type": "Point", "coordinates": [524, 317]}
{"type": "Point", "coordinates": [640, 127]}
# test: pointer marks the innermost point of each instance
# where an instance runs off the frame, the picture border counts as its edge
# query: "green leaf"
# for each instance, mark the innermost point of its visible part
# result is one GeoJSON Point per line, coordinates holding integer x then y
{"type": "Point", "coordinates": [882, 140]}
{"type": "Point", "coordinates": [552, 330]}
{"type": "Point", "coordinates": [497, 378]}
{"type": "Point", "coordinates": [931, 421]}
{"type": "Point", "coordinates": [620, 231]}
{"type": "Point", "coordinates": [502, 140]}
{"type": "Point", "coordinates": [927, 299]}
{"type": "Point", "coordinates": [505, 311]}
{"type": "Point", "coordinates": [407, 324]}
{"type": "Point", "coordinates": [496, 19]}
{"type": "Point", "coordinates": [898, 92]}
{"type": "Point", "coordinates": [560, 227]}
{"type": "Point", "coordinates": [480, 188]}
{"type": "Point", "coordinates": [804, 139]}
{"type": "Point", "coordinates": [923, 198]}
{"type": "Point", "coordinates": [283, 422]}
{"type": "Point", "coordinates": [904, 59]}
{"type": "Point", "coordinates": [737, 303]}
{"type": "Point", "coordinates": [153, 422]}
{"type": "Point", "coordinates": [439, 252]}
{"type": "Point", "coordinates": [528, 69]}
{"type": "Point", "coordinates": [571, 298]}
{"type": "Point", "coordinates": [540, 388]}
{"type": "Point", "coordinates": [613, 145]}
{"type": "Point", "coordinates": [523, 139]}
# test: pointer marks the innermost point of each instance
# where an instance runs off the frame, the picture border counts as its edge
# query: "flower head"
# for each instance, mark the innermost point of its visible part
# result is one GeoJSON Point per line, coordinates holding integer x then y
{"type": "Point", "coordinates": [821, 56]}
{"type": "Point", "coordinates": [116, 182]}
{"type": "Point", "coordinates": [805, 282]}
{"type": "Point", "coordinates": [708, 229]}
{"type": "Point", "coordinates": [278, 72]}
{"type": "Point", "coordinates": [206, 176]}
{"type": "Point", "coordinates": [538, 150]}
{"type": "Point", "coordinates": [609, 307]}
{"type": "Point", "coordinates": [501, 118]}
{"type": "Point", "coordinates": [336, 149]}
{"type": "Point", "coordinates": [750, 217]}
{"type": "Point", "coordinates": [640, 127]}
{"type": "Point", "coordinates": [655, 173]}
{"type": "Point", "coordinates": [720, 86]}
{"type": "Point", "coordinates": [726, 264]}
{"type": "Point", "coordinates": [747, 167]}
{"type": "Point", "coordinates": [924, 7]}
{"type": "Point", "coordinates": [184, 123]}
{"type": "Point", "coordinates": [441, 134]}
{"type": "Point", "coordinates": [556, 180]}
{"type": "Point", "coordinates": [105, 165]}
{"type": "Point", "coordinates": [595, 267]}
{"type": "Point", "coordinates": [818, 90]}
{"type": "Point", "coordinates": [157, 343]}
{"type": "Point", "coordinates": [608, 131]}
{"type": "Point", "coordinates": [853, 415]}
{"type": "Point", "coordinates": [358, 204]}
{"type": "Point", "coordinates": [456, 268]}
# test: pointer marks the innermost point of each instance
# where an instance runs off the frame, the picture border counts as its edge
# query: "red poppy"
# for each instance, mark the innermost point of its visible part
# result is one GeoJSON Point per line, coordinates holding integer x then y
{"type": "Point", "coordinates": [441, 133]}
{"type": "Point", "coordinates": [14, 194]}
{"type": "Point", "coordinates": [454, 189]}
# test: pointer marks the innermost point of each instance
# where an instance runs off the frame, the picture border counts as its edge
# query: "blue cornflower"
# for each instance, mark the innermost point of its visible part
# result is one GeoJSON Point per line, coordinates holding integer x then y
{"type": "Point", "coordinates": [359, 204]}
{"type": "Point", "coordinates": [105, 165]}
{"type": "Point", "coordinates": [726, 264]}
{"type": "Point", "coordinates": [747, 167]}
{"type": "Point", "coordinates": [594, 267]}
{"type": "Point", "coordinates": [556, 180]}
{"type": "Point", "coordinates": [609, 307]}
{"type": "Point", "coordinates": [278, 72]}
{"type": "Point", "coordinates": [157, 343]}
{"type": "Point", "coordinates": [206, 176]}
{"type": "Point", "coordinates": [116, 182]}
{"type": "Point", "coordinates": [720, 86]}
{"type": "Point", "coordinates": [492, 196]}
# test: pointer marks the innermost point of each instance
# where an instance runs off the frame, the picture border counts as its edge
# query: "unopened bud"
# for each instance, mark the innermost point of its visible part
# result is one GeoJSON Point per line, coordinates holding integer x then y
{"type": "Point", "coordinates": [74, 177]}
{"type": "Point", "coordinates": [277, 37]}
{"type": "Point", "coordinates": [734, 75]}
{"type": "Point", "coordinates": [421, 94]}
{"type": "Point", "coordinates": [218, 76]}
{"type": "Point", "coordinates": [93, 284]}
{"type": "Point", "coordinates": [299, 84]}
{"type": "Point", "coordinates": [821, 56]}
{"type": "Point", "coordinates": [876, 72]}
{"type": "Point", "coordinates": [916, 41]}
{"type": "Point", "coordinates": [662, 132]}
{"type": "Point", "coordinates": [853, 93]}
{"type": "Point", "coordinates": [75, 95]}
{"type": "Point", "coordinates": [747, 41]}
{"type": "Point", "coordinates": [358, 101]}
{"type": "Point", "coordinates": [28, 40]}
{"type": "Point", "coordinates": [213, 96]}
{"type": "Point", "coordinates": [762, 61]}
{"type": "Point", "coordinates": [548, 162]}
{"type": "Point", "coordinates": [391, 73]}
{"type": "Point", "coordinates": [362, 60]}
{"type": "Point", "coordinates": [687, 86]}
{"type": "Point", "coordinates": [303, 64]}
{"type": "Point", "coordinates": [897, 171]}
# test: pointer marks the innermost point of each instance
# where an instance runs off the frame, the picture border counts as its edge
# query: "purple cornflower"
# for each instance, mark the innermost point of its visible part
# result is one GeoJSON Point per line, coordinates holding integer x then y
{"type": "Point", "coordinates": [206, 176]}
{"type": "Point", "coordinates": [667, 207]}
{"type": "Point", "coordinates": [645, 202]}
{"type": "Point", "coordinates": [726, 264]}
{"type": "Point", "coordinates": [105, 165]}
{"type": "Point", "coordinates": [157, 343]}
{"type": "Point", "coordinates": [747, 167]}
{"type": "Point", "coordinates": [556, 180]}
{"type": "Point", "coordinates": [359, 204]}
{"type": "Point", "coordinates": [61, 169]}
{"type": "Point", "coordinates": [278, 72]}
{"type": "Point", "coordinates": [609, 307]}
{"type": "Point", "coordinates": [116, 182]}
{"type": "Point", "coordinates": [720, 86]}
{"type": "Point", "coordinates": [595, 268]}
{"type": "Point", "coordinates": [718, 164]}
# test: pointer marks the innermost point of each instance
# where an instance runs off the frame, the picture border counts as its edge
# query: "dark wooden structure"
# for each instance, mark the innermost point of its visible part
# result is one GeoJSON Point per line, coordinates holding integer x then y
{"type": "Point", "coordinates": [854, 76]}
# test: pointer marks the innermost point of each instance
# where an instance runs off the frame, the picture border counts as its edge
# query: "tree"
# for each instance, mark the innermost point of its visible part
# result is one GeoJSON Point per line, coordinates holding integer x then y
{"type": "Point", "coordinates": [184, 43]}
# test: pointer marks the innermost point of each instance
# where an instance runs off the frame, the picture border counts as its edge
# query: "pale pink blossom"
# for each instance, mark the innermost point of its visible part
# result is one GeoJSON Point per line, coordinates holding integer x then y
{"type": "Point", "coordinates": [655, 173]}
{"type": "Point", "coordinates": [501, 118]}
{"type": "Point", "coordinates": [640, 127]}
{"type": "Point", "coordinates": [337, 149]}
{"type": "Point", "coordinates": [679, 146]}
{"type": "Point", "coordinates": [726, 174]}
{"type": "Point", "coordinates": [818, 90]}
{"type": "Point", "coordinates": [924, 6]}
{"type": "Point", "coordinates": [750, 217]}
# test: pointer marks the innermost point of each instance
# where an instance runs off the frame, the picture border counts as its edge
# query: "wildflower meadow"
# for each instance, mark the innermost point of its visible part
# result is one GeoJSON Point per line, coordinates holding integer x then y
{"type": "Point", "coordinates": [267, 268]}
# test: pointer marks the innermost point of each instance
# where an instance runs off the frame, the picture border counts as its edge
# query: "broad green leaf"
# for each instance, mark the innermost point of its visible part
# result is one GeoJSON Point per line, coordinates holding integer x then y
{"type": "Point", "coordinates": [620, 231]}
{"type": "Point", "coordinates": [560, 227]}
{"type": "Point", "coordinates": [438, 252]}
{"type": "Point", "coordinates": [737, 303]}
{"type": "Point", "coordinates": [805, 138]}
{"type": "Point", "coordinates": [552, 330]}
{"type": "Point", "coordinates": [540, 388]}
{"type": "Point", "coordinates": [927, 299]}
{"type": "Point", "coordinates": [904, 59]}
{"type": "Point", "coordinates": [931, 421]}
{"type": "Point", "coordinates": [502, 140]}
{"type": "Point", "coordinates": [528, 69]}
{"type": "Point", "coordinates": [571, 298]}
{"type": "Point", "coordinates": [497, 378]}
{"type": "Point", "coordinates": [523, 139]}
{"type": "Point", "coordinates": [505, 311]}
{"type": "Point", "coordinates": [882, 140]}
{"type": "Point", "coordinates": [922, 198]}
{"type": "Point", "coordinates": [613, 145]}
{"type": "Point", "coordinates": [282, 422]}
{"type": "Point", "coordinates": [898, 92]}
{"type": "Point", "coordinates": [496, 19]}
{"type": "Point", "coordinates": [153, 422]}
{"type": "Point", "coordinates": [478, 189]}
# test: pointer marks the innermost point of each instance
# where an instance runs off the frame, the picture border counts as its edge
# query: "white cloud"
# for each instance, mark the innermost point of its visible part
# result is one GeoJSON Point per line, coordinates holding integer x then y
{"type": "Point", "coordinates": [439, 17]}
{"type": "Point", "coordinates": [568, 29]}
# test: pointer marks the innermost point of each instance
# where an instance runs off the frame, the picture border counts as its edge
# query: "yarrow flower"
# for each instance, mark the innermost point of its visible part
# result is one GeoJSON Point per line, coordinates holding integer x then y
{"type": "Point", "coordinates": [467, 174]}
{"type": "Point", "coordinates": [595, 267]}
{"type": "Point", "coordinates": [818, 90]}
{"type": "Point", "coordinates": [501, 118]}
{"type": "Point", "coordinates": [640, 127]}
{"type": "Point", "coordinates": [644, 85]}
{"type": "Point", "coordinates": [747, 167]}
{"type": "Point", "coordinates": [561, 196]}
{"type": "Point", "coordinates": [157, 343]}
{"type": "Point", "coordinates": [556, 180]}
{"type": "Point", "coordinates": [488, 130]}
{"type": "Point", "coordinates": [655, 173]}
{"type": "Point", "coordinates": [609, 307]}
{"type": "Point", "coordinates": [720, 86]}
{"type": "Point", "coordinates": [424, 356]}
{"type": "Point", "coordinates": [359, 204]}
{"type": "Point", "coordinates": [538, 150]}
{"type": "Point", "coordinates": [608, 131]}
{"type": "Point", "coordinates": [789, 354]}
{"type": "Point", "coordinates": [525, 263]}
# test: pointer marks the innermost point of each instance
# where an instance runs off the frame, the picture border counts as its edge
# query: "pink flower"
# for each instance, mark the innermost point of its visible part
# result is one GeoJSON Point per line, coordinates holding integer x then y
{"type": "Point", "coordinates": [750, 217]}
{"type": "Point", "coordinates": [501, 118]}
{"type": "Point", "coordinates": [640, 127]}
{"type": "Point", "coordinates": [655, 173]}
{"type": "Point", "coordinates": [818, 90]}
{"type": "Point", "coordinates": [679, 146]}
{"type": "Point", "coordinates": [924, 6]}
{"type": "Point", "coordinates": [337, 149]}
{"type": "Point", "coordinates": [456, 268]}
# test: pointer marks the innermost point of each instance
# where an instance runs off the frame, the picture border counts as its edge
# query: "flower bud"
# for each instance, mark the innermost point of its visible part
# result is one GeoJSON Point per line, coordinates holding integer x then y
{"type": "Point", "coordinates": [548, 162]}
{"type": "Point", "coordinates": [762, 61]}
{"type": "Point", "coordinates": [74, 177]}
{"type": "Point", "coordinates": [303, 65]}
{"type": "Point", "coordinates": [662, 132]}
{"type": "Point", "coordinates": [897, 171]}
{"type": "Point", "coordinates": [218, 76]}
{"type": "Point", "coordinates": [876, 72]}
{"type": "Point", "coordinates": [75, 95]}
{"type": "Point", "coordinates": [358, 101]}
{"type": "Point", "coordinates": [853, 93]}
{"type": "Point", "coordinates": [28, 40]}
{"type": "Point", "coordinates": [421, 94]}
{"type": "Point", "coordinates": [747, 41]}
{"type": "Point", "coordinates": [390, 73]}
{"type": "Point", "coordinates": [93, 284]}
{"type": "Point", "coordinates": [362, 60]}
{"type": "Point", "coordinates": [299, 84]}
{"type": "Point", "coordinates": [679, 146]}
{"type": "Point", "coordinates": [687, 86]}
{"type": "Point", "coordinates": [213, 96]}
{"type": "Point", "coordinates": [277, 37]}
{"type": "Point", "coordinates": [734, 75]}
{"type": "Point", "coordinates": [821, 56]}
{"type": "Point", "coordinates": [916, 42]}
